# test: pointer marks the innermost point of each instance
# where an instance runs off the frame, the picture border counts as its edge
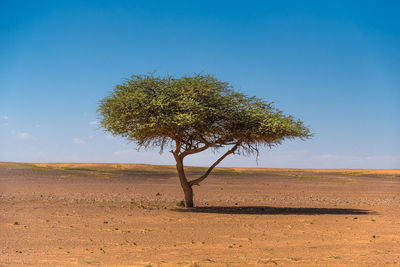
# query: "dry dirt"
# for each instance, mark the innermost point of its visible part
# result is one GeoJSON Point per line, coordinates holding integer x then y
{"type": "Point", "coordinates": [126, 215]}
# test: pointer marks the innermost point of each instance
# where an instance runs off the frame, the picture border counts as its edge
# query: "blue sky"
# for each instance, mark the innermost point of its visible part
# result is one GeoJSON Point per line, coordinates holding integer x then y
{"type": "Point", "coordinates": [334, 64]}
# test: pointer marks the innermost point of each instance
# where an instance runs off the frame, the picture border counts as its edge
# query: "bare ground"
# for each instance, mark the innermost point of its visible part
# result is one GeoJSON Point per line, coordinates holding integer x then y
{"type": "Point", "coordinates": [126, 215]}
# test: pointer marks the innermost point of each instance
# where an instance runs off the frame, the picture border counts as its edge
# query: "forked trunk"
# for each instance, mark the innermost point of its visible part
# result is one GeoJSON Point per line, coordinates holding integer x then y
{"type": "Point", "coordinates": [186, 185]}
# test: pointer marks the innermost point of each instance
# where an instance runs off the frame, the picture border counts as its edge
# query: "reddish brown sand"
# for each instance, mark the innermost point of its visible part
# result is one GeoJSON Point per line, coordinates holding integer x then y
{"type": "Point", "coordinates": [126, 215]}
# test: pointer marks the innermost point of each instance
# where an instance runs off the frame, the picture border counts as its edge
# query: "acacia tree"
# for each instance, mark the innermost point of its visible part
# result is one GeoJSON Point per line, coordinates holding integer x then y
{"type": "Point", "coordinates": [191, 114]}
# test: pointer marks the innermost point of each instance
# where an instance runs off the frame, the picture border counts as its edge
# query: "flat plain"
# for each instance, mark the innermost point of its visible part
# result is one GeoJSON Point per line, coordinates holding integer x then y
{"type": "Point", "coordinates": [127, 215]}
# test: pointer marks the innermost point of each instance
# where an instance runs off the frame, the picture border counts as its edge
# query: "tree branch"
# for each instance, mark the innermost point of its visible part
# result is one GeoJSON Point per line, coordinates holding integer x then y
{"type": "Point", "coordinates": [193, 151]}
{"type": "Point", "coordinates": [177, 148]}
{"type": "Point", "coordinates": [204, 176]}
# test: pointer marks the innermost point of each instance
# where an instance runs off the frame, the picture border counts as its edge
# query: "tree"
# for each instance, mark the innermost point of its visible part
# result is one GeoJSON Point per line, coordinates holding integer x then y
{"type": "Point", "coordinates": [191, 114]}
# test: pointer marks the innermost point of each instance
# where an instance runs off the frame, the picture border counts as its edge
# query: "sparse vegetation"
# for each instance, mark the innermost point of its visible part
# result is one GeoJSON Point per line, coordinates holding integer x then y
{"type": "Point", "coordinates": [268, 262]}
{"type": "Point", "coordinates": [266, 218]}
{"type": "Point", "coordinates": [180, 203]}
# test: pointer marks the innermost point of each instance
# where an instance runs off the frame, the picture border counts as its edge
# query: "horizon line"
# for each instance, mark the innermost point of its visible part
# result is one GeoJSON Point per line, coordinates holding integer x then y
{"type": "Point", "coordinates": [192, 166]}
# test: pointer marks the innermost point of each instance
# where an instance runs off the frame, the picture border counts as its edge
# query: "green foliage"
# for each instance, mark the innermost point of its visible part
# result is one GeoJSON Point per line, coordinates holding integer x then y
{"type": "Point", "coordinates": [191, 112]}
{"type": "Point", "coordinates": [180, 203]}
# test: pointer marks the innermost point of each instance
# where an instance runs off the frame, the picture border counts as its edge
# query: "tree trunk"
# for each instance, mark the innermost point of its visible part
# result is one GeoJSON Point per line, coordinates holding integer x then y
{"type": "Point", "coordinates": [187, 188]}
{"type": "Point", "coordinates": [188, 191]}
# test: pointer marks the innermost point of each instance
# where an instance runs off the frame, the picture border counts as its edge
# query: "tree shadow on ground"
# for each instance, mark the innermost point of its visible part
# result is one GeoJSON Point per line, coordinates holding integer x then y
{"type": "Point", "coordinates": [265, 210]}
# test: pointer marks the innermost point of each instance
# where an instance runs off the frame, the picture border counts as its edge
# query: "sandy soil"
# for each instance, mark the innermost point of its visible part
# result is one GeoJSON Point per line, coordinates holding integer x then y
{"type": "Point", "coordinates": [126, 215]}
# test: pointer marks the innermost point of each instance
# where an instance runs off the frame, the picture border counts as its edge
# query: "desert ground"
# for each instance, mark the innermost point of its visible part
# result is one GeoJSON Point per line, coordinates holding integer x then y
{"type": "Point", "coordinates": [127, 215]}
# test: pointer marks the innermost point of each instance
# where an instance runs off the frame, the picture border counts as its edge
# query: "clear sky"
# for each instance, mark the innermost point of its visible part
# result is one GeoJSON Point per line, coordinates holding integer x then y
{"type": "Point", "coordinates": [334, 64]}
